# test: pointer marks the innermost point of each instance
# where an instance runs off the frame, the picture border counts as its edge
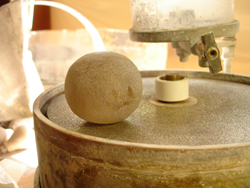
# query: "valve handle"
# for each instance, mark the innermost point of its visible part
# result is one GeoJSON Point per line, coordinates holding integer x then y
{"type": "Point", "coordinates": [209, 54]}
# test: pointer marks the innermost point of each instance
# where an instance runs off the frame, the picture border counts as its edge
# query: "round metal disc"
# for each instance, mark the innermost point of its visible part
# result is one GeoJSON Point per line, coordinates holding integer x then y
{"type": "Point", "coordinates": [220, 116]}
{"type": "Point", "coordinates": [220, 30]}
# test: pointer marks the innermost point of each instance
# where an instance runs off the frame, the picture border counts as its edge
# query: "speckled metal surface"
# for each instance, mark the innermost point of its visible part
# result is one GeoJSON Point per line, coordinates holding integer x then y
{"type": "Point", "coordinates": [221, 116]}
{"type": "Point", "coordinates": [69, 158]}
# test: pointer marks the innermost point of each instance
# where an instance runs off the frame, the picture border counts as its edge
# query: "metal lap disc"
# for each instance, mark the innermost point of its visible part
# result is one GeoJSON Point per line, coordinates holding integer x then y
{"type": "Point", "coordinates": [217, 114]}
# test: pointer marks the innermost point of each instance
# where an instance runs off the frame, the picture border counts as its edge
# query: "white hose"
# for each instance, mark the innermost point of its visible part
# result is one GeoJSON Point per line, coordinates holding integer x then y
{"type": "Point", "coordinates": [96, 38]}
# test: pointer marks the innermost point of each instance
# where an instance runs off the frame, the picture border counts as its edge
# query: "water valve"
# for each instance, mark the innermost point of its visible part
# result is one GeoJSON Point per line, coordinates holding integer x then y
{"type": "Point", "coordinates": [209, 54]}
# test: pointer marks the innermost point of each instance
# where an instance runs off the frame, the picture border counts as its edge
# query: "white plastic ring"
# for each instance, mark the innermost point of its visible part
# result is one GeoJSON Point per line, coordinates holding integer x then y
{"type": "Point", "coordinates": [171, 88]}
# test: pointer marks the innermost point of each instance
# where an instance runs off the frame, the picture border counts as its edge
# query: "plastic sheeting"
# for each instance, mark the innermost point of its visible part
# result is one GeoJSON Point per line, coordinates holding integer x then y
{"type": "Point", "coordinates": [19, 80]}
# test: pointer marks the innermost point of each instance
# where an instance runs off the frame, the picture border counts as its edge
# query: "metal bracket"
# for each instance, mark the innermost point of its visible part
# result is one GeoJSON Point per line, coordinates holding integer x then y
{"type": "Point", "coordinates": [187, 41]}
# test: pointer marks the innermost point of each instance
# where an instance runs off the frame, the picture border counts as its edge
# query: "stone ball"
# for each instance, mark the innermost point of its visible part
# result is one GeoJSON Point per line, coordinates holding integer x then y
{"type": "Point", "coordinates": [103, 87]}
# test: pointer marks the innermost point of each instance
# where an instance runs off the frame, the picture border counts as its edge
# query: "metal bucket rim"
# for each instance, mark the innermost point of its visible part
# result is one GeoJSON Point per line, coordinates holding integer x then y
{"type": "Point", "coordinates": [38, 106]}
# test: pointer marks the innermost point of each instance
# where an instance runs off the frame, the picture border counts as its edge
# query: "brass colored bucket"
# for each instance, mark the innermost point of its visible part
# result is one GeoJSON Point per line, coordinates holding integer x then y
{"type": "Point", "coordinates": [205, 143]}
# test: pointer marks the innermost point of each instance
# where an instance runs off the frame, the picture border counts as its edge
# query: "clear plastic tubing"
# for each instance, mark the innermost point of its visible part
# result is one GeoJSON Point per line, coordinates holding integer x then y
{"type": "Point", "coordinates": [157, 15]}
{"type": "Point", "coordinates": [97, 40]}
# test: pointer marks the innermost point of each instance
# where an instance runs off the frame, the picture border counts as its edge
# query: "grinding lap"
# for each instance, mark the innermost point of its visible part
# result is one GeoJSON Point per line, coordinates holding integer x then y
{"type": "Point", "coordinates": [220, 116]}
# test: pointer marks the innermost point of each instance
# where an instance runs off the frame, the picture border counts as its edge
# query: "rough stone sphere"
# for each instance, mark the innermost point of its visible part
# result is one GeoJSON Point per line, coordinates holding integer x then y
{"type": "Point", "coordinates": [103, 87]}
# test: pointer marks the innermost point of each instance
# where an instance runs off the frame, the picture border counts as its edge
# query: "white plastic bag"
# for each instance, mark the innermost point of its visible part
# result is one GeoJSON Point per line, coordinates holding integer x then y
{"type": "Point", "coordinates": [19, 80]}
{"type": "Point", "coordinates": [6, 181]}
